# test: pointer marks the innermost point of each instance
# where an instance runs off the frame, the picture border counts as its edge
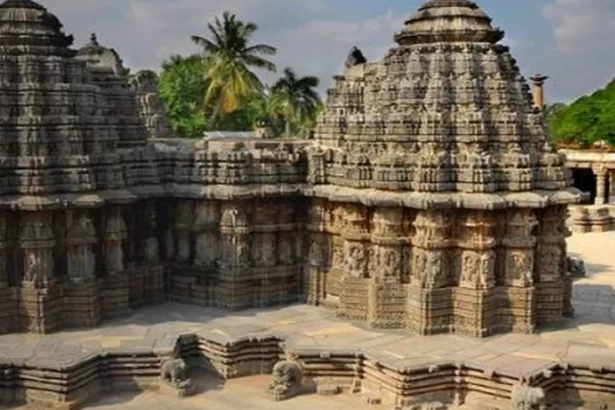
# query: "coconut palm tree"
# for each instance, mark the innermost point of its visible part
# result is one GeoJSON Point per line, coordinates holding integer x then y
{"type": "Point", "coordinates": [296, 98]}
{"type": "Point", "coordinates": [229, 60]}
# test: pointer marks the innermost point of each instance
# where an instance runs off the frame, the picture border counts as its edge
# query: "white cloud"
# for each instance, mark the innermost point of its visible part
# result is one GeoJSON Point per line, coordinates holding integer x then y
{"type": "Point", "coordinates": [145, 32]}
{"type": "Point", "coordinates": [579, 58]}
{"type": "Point", "coordinates": [582, 57]}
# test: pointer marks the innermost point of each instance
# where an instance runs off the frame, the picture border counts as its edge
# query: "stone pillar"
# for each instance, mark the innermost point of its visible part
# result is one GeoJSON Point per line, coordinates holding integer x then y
{"type": "Point", "coordinates": [37, 242]}
{"type": "Point", "coordinates": [538, 93]}
{"type": "Point", "coordinates": [518, 269]}
{"type": "Point", "coordinates": [600, 174]}
{"type": "Point", "coordinates": [386, 294]}
{"type": "Point", "coordinates": [81, 237]}
{"type": "Point", "coordinates": [234, 262]}
{"type": "Point", "coordinates": [429, 300]}
{"type": "Point", "coordinates": [3, 255]}
{"type": "Point", "coordinates": [40, 304]}
{"type": "Point", "coordinates": [115, 233]}
{"type": "Point", "coordinates": [611, 186]}
{"type": "Point", "coordinates": [183, 225]}
{"type": "Point", "coordinates": [357, 252]}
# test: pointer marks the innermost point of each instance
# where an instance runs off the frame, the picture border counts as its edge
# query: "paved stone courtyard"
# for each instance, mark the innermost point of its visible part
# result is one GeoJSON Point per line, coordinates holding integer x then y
{"type": "Point", "coordinates": [589, 337]}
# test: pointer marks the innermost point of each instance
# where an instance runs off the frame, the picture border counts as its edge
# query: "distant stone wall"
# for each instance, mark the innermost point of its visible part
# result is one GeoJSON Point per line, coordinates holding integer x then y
{"type": "Point", "coordinates": [151, 109]}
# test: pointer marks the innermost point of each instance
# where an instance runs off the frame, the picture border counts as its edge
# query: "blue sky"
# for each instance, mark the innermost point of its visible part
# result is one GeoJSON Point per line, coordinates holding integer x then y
{"type": "Point", "coordinates": [568, 40]}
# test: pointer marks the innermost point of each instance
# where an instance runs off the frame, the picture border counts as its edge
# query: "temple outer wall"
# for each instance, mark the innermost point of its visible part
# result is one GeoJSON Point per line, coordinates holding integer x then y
{"type": "Point", "coordinates": [471, 272]}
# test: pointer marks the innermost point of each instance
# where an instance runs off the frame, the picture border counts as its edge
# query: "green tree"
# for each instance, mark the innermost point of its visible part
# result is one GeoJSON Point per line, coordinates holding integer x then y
{"type": "Point", "coordinates": [182, 86]}
{"type": "Point", "coordinates": [587, 120]}
{"type": "Point", "coordinates": [230, 58]}
{"type": "Point", "coordinates": [296, 100]}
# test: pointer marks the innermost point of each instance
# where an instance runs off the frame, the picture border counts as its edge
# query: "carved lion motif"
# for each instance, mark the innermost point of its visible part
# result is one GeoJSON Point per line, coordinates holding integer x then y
{"type": "Point", "coordinates": [286, 379]}
{"type": "Point", "coordinates": [527, 398]}
{"type": "Point", "coordinates": [173, 372]}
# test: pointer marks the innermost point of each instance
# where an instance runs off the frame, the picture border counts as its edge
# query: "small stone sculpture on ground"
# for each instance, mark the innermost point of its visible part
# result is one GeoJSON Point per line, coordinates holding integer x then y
{"type": "Point", "coordinates": [173, 373]}
{"type": "Point", "coordinates": [286, 379]}
{"type": "Point", "coordinates": [576, 267]}
{"type": "Point", "coordinates": [527, 398]}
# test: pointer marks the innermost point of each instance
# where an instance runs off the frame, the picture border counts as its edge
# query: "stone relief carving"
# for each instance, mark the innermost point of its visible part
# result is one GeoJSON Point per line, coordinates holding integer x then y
{"type": "Point", "coordinates": [519, 268]}
{"type": "Point", "coordinates": [356, 258]}
{"type": "Point", "coordinates": [286, 380]}
{"type": "Point", "coordinates": [173, 372]}
{"type": "Point", "coordinates": [81, 261]}
{"type": "Point", "coordinates": [264, 250]}
{"type": "Point", "coordinates": [527, 398]}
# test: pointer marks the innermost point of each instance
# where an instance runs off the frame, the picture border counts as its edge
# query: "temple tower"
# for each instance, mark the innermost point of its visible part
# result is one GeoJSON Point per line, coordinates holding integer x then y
{"type": "Point", "coordinates": [444, 203]}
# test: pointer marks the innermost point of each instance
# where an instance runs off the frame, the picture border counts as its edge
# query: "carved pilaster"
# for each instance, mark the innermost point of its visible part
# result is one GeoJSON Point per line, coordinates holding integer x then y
{"type": "Point", "coordinates": [37, 242]}
{"type": "Point", "coordinates": [519, 244]}
{"type": "Point", "coordinates": [152, 244]}
{"type": "Point", "coordinates": [184, 218]}
{"type": "Point", "coordinates": [235, 236]}
{"type": "Point", "coordinates": [551, 245]}
{"type": "Point", "coordinates": [3, 255]}
{"type": "Point", "coordinates": [80, 240]}
{"type": "Point", "coordinates": [600, 174]}
{"type": "Point", "coordinates": [477, 251]}
{"type": "Point", "coordinates": [357, 246]}
{"type": "Point", "coordinates": [206, 227]}
{"type": "Point", "coordinates": [388, 241]}
{"type": "Point", "coordinates": [115, 234]}
{"type": "Point", "coordinates": [430, 267]}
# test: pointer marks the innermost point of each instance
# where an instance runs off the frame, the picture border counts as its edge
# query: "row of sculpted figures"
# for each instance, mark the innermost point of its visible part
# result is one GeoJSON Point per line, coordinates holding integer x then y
{"type": "Point", "coordinates": [75, 245]}
{"type": "Point", "coordinates": [438, 248]}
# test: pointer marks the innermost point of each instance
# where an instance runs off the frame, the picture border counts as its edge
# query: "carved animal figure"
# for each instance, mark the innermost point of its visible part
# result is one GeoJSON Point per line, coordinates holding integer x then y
{"type": "Point", "coordinates": [355, 57]}
{"type": "Point", "coordinates": [527, 398]}
{"type": "Point", "coordinates": [173, 371]}
{"type": "Point", "coordinates": [286, 379]}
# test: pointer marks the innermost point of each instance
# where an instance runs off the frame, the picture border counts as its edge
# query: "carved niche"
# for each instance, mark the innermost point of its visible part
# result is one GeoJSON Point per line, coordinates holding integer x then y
{"type": "Point", "coordinates": [152, 245]}
{"type": "Point", "coordinates": [3, 256]}
{"type": "Point", "coordinates": [81, 237]}
{"type": "Point", "coordinates": [115, 234]}
{"type": "Point", "coordinates": [477, 269]}
{"type": "Point", "coordinates": [235, 236]}
{"type": "Point", "coordinates": [37, 242]}
{"type": "Point", "coordinates": [184, 217]}
{"type": "Point", "coordinates": [519, 243]}
{"type": "Point", "coordinates": [388, 239]}
{"type": "Point", "coordinates": [356, 259]}
{"type": "Point", "coordinates": [264, 249]}
{"type": "Point", "coordinates": [207, 217]}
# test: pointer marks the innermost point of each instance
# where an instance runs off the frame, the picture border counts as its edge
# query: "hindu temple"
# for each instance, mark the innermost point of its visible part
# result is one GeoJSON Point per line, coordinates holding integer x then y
{"type": "Point", "coordinates": [429, 201]}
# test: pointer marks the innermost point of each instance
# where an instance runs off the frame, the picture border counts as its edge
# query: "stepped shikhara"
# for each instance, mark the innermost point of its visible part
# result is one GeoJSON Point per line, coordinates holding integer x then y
{"type": "Point", "coordinates": [430, 199]}
{"type": "Point", "coordinates": [443, 205]}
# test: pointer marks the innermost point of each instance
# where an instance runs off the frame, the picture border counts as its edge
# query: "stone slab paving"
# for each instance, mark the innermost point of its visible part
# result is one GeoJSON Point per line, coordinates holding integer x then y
{"type": "Point", "coordinates": [588, 338]}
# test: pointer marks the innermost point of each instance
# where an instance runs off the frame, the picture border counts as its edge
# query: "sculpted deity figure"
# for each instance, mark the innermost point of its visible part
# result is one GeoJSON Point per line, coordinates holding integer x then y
{"type": "Point", "coordinates": [356, 259]}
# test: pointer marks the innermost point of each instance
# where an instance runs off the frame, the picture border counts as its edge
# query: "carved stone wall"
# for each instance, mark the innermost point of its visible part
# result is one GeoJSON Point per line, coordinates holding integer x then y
{"type": "Point", "coordinates": [429, 200]}
{"type": "Point", "coordinates": [236, 254]}
{"type": "Point", "coordinates": [432, 271]}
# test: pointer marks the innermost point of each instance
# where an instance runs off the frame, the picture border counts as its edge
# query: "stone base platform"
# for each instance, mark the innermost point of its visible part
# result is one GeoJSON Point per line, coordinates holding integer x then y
{"type": "Point", "coordinates": [592, 218]}
{"type": "Point", "coordinates": [574, 364]}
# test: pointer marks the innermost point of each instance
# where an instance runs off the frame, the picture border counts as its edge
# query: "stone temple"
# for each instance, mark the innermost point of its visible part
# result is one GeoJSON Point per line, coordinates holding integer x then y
{"type": "Point", "coordinates": [429, 200]}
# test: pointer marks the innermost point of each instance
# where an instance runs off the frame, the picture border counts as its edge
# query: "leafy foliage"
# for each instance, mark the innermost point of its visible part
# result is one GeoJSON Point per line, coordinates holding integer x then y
{"type": "Point", "coordinates": [296, 100]}
{"type": "Point", "coordinates": [218, 89]}
{"type": "Point", "coordinates": [229, 59]}
{"type": "Point", "coordinates": [586, 121]}
{"type": "Point", "coordinates": [182, 86]}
